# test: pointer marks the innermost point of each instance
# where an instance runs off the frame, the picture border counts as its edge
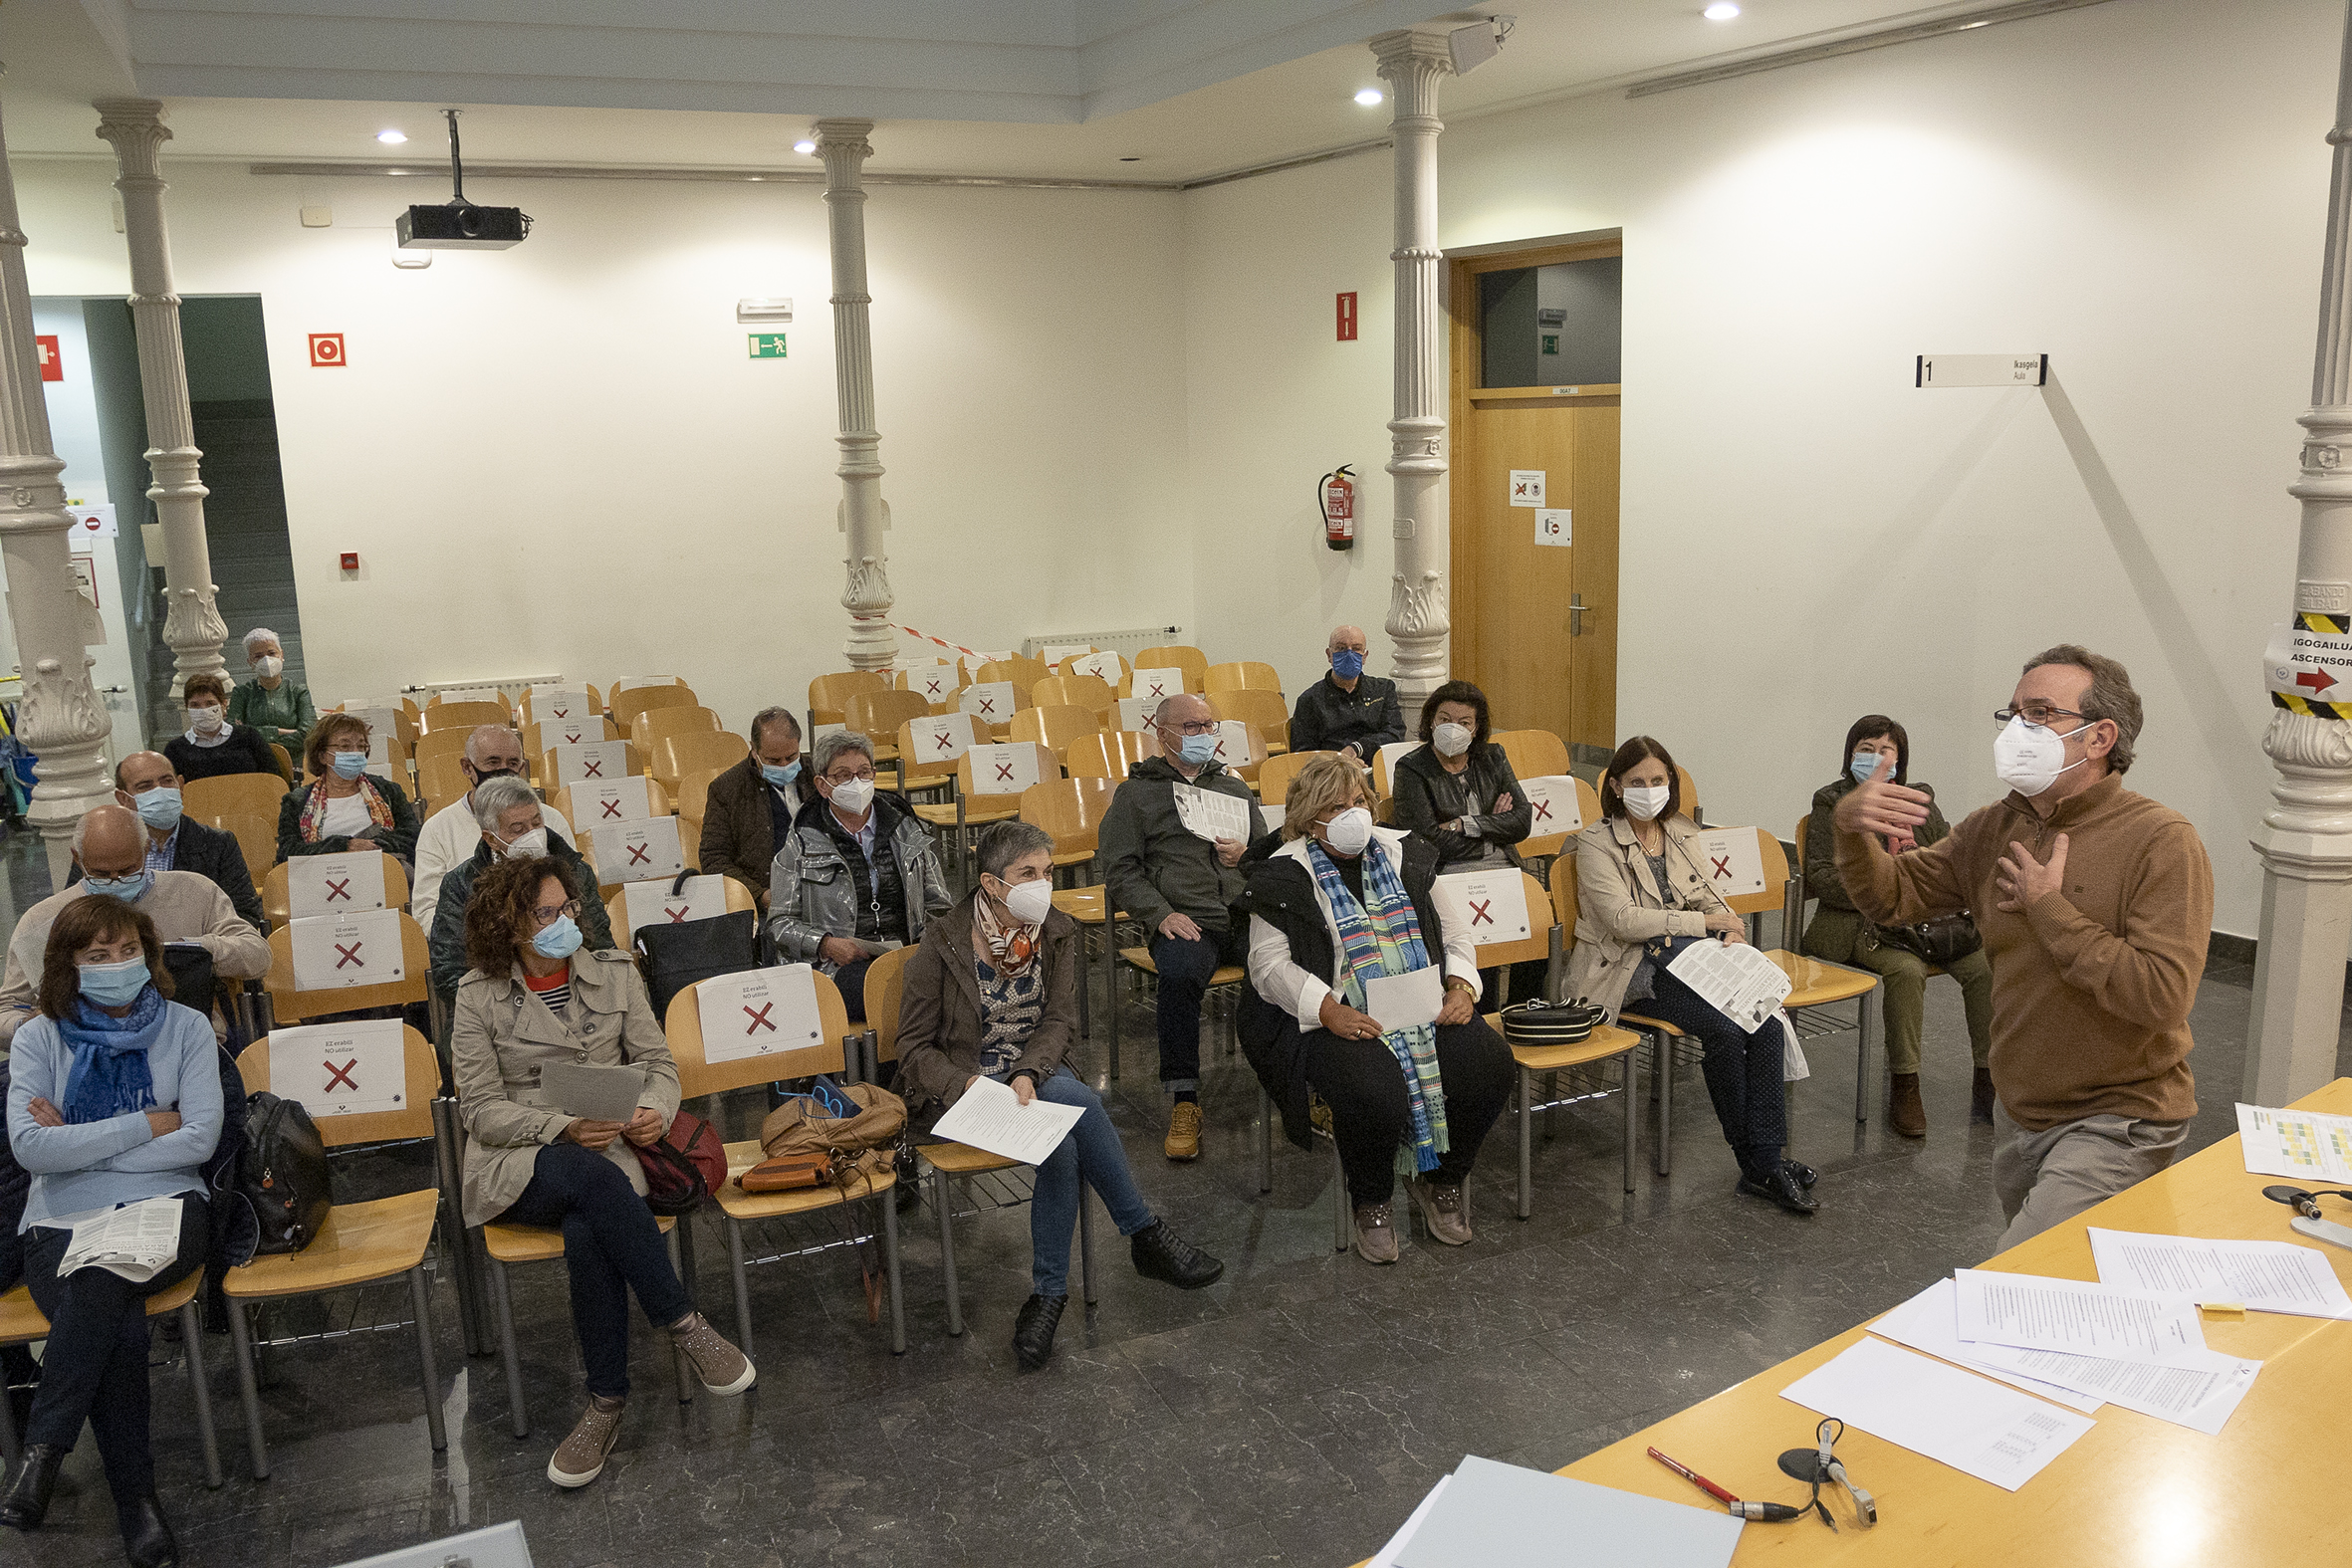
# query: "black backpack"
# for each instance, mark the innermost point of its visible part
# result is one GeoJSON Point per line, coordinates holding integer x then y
{"type": "Point", "coordinates": [281, 1175]}
{"type": "Point", "coordinates": [677, 956]}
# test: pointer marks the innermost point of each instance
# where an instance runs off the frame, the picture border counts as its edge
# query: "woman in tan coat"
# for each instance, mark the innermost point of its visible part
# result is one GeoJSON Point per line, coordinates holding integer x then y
{"type": "Point", "coordinates": [1640, 893]}
{"type": "Point", "coordinates": [532, 997]}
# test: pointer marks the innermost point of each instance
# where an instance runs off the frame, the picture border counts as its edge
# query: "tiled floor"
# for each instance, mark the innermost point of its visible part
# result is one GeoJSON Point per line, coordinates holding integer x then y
{"type": "Point", "coordinates": [1292, 1413]}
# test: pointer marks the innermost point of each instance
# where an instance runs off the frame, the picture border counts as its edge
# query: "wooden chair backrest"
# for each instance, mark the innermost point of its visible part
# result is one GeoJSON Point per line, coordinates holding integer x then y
{"type": "Point", "coordinates": [627, 706]}
{"type": "Point", "coordinates": [697, 751]}
{"type": "Point", "coordinates": [439, 716]}
{"type": "Point", "coordinates": [1068, 666]}
{"type": "Point", "coordinates": [1107, 754]}
{"type": "Point", "coordinates": [1070, 809]}
{"type": "Point", "coordinates": [257, 837]}
{"type": "Point", "coordinates": [656, 724]}
{"type": "Point", "coordinates": [1022, 670]}
{"type": "Point", "coordinates": [229, 794]}
{"type": "Point", "coordinates": [421, 1068]}
{"type": "Point", "coordinates": [696, 1076]}
{"type": "Point", "coordinates": [285, 760]}
{"type": "Point", "coordinates": [885, 989]}
{"type": "Point", "coordinates": [277, 898]}
{"type": "Point", "coordinates": [1776, 876]}
{"type": "Point", "coordinates": [691, 795]}
{"type": "Point", "coordinates": [877, 715]}
{"type": "Point", "coordinates": [1534, 753]}
{"type": "Point", "coordinates": [1053, 727]}
{"type": "Point", "coordinates": [828, 695]}
{"type": "Point", "coordinates": [1176, 657]}
{"type": "Point", "coordinates": [441, 780]}
{"type": "Point", "coordinates": [1274, 779]}
{"type": "Point", "coordinates": [1689, 792]}
{"type": "Point", "coordinates": [1047, 768]}
{"type": "Point", "coordinates": [1091, 692]}
{"type": "Point", "coordinates": [1563, 901]}
{"type": "Point", "coordinates": [442, 742]}
{"type": "Point", "coordinates": [290, 1003]}
{"type": "Point", "coordinates": [1263, 710]}
{"type": "Point", "coordinates": [1241, 674]}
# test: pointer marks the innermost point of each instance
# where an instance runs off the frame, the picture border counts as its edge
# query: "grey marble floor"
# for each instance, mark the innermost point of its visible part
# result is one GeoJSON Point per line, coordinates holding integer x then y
{"type": "Point", "coordinates": [1292, 1413]}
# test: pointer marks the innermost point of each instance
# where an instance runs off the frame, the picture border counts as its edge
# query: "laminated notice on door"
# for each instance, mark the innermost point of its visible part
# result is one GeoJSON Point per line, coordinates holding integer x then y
{"type": "Point", "coordinates": [1152, 685]}
{"type": "Point", "coordinates": [603, 802]}
{"type": "Point", "coordinates": [1551, 805]}
{"type": "Point", "coordinates": [635, 851]}
{"type": "Point", "coordinates": [341, 1070]}
{"type": "Point", "coordinates": [760, 1013]}
{"type": "Point", "coordinates": [653, 904]}
{"type": "Point", "coordinates": [1730, 859]}
{"type": "Point", "coordinates": [589, 760]}
{"type": "Point", "coordinates": [992, 703]}
{"type": "Point", "coordinates": [334, 884]}
{"type": "Point", "coordinates": [1004, 770]}
{"type": "Point", "coordinates": [1491, 907]}
{"type": "Point", "coordinates": [331, 952]}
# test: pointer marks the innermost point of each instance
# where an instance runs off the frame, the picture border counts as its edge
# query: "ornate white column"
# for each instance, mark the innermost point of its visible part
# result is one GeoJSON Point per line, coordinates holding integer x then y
{"type": "Point", "coordinates": [191, 619]}
{"type": "Point", "coordinates": [1418, 623]}
{"type": "Point", "coordinates": [61, 719]}
{"type": "Point", "coordinates": [864, 515]}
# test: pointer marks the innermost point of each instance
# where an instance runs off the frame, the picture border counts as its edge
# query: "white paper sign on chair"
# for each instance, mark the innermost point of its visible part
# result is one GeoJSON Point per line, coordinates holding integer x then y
{"type": "Point", "coordinates": [379, 752]}
{"type": "Point", "coordinates": [341, 1070]}
{"type": "Point", "coordinates": [653, 904]}
{"type": "Point", "coordinates": [333, 884]}
{"type": "Point", "coordinates": [1135, 712]}
{"type": "Point", "coordinates": [636, 851]}
{"type": "Point", "coordinates": [1108, 665]}
{"type": "Point", "coordinates": [1004, 770]}
{"type": "Point", "coordinates": [631, 682]}
{"type": "Point", "coordinates": [1152, 685]}
{"type": "Point", "coordinates": [1730, 859]}
{"type": "Point", "coordinates": [760, 1013]}
{"type": "Point", "coordinates": [333, 952]}
{"type": "Point", "coordinates": [1386, 760]}
{"type": "Point", "coordinates": [589, 760]}
{"type": "Point", "coordinates": [938, 742]}
{"type": "Point", "coordinates": [608, 803]}
{"type": "Point", "coordinates": [1551, 805]}
{"type": "Point", "coordinates": [990, 703]}
{"type": "Point", "coordinates": [1491, 907]}
{"type": "Point", "coordinates": [379, 721]}
{"type": "Point", "coordinates": [1235, 746]}
{"type": "Point", "coordinates": [558, 705]}
{"type": "Point", "coordinates": [932, 683]}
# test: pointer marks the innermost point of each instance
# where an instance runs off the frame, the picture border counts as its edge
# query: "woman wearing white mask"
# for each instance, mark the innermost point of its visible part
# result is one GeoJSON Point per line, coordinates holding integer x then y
{"type": "Point", "coordinates": [1639, 893]}
{"type": "Point", "coordinates": [858, 874]}
{"type": "Point", "coordinates": [212, 746]}
{"type": "Point", "coordinates": [272, 704]}
{"type": "Point", "coordinates": [1341, 909]}
{"type": "Point", "coordinates": [1458, 792]}
{"type": "Point", "coordinates": [514, 827]}
{"type": "Point", "coordinates": [345, 807]}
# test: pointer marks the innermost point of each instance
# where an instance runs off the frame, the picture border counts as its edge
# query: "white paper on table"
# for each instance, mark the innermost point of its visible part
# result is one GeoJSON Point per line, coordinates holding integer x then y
{"type": "Point", "coordinates": [598, 802]}
{"type": "Point", "coordinates": [2076, 1317]}
{"type": "Point", "coordinates": [589, 760]}
{"type": "Point", "coordinates": [1491, 905]}
{"type": "Point", "coordinates": [2198, 1393]}
{"type": "Point", "coordinates": [1399, 1002]}
{"type": "Point", "coordinates": [992, 703]}
{"type": "Point", "coordinates": [938, 739]}
{"type": "Point", "coordinates": [651, 903]}
{"type": "Point", "coordinates": [1004, 770]}
{"type": "Point", "coordinates": [2262, 1276]}
{"type": "Point", "coordinates": [333, 950]}
{"type": "Point", "coordinates": [1387, 1555]}
{"type": "Point", "coordinates": [1212, 813]}
{"type": "Point", "coordinates": [759, 1012]}
{"type": "Point", "coordinates": [636, 851]}
{"type": "Point", "coordinates": [2306, 1144]}
{"type": "Point", "coordinates": [1153, 684]}
{"type": "Point", "coordinates": [1952, 1417]}
{"type": "Point", "coordinates": [341, 1070]}
{"type": "Point", "coordinates": [1736, 980]}
{"type": "Point", "coordinates": [991, 1116]}
{"type": "Point", "coordinates": [1929, 1323]}
{"type": "Point", "coordinates": [1135, 712]}
{"type": "Point", "coordinates": [135, 1241]}
{"type": "Point", "coordinates": [342, 884]}
{"type": "Point", "coordinates": [1108, 667]}
{"type": "Point", "coordinates": [601, 1094]}
{"type": "Point", "coordinates": [1551, 805]}
{"type": "Point", "coordinates": [1732, 860]}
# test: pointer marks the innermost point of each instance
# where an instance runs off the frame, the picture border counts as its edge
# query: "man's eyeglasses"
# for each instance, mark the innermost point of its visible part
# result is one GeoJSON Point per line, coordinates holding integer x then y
{"type": "Point", "coordinates": [862, 776]}
{"type": "Point", "coordinates": [548, 915]}
{"type": "Point", "coordinates": [2041, 713]}
{"type": "Point", "coordinates": [1193, 727]}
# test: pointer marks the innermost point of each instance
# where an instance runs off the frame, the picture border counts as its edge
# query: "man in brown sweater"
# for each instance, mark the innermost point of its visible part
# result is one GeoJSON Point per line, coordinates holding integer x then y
{"type": "Point", "coordinates": [2095, 904]}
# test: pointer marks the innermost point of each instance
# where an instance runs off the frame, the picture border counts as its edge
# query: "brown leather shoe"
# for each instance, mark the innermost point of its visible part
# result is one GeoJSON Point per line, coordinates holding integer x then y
{"type": "Point", "coordinates": [722, 1368]}
{"type": "Point", "coordinates": [1375, 1233]}
{"type": "Point", "coordinates": [1981, 1096]}
{"type": "Point", "coordinates": [580, 1457]}
{"type": "Point", "coordinates": [1905, 1112]}
{"type": "Point", "coordinates": [1184, 1132]}
{"type": "Point", "coordinates": [1445, 1210]}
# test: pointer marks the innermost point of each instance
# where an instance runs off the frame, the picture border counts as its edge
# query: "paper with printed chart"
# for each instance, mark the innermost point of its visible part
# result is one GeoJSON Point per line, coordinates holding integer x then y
{"type": "Point", "coordinates": [1553, 806]}
{"type": "Point", "coordinates": [1929, 1322]}
{"type": "Point", "coordinates": [989, 1116]}
{"type": "Point", "coordinates": [1491, 906]}
{"type": "Point", "coordinates": [635, 851]}
{"type": "Point", "coordinates": [651, 903]}
{"type": "Point", "coordinates": [341, 1070]}
{"type": "Point", "coordinates": [1734, 979]}
{"type": "Point", "coordinates": [760, 1013]}
{"type": "Point", "coordinates": [1952, 1417]}
{"type": "Point", "coordinates": [992, 703]}
{"type": "Point", "coordinates": [334, 884]}
{"type": "Point", "coordinates": [1004, 770]}
{"type": "Point", "coordinates": [1213, 814]}
{"type": "Point", "coordinates": [335, 950]}
{"type": "Point", "coordinates": [589, 761]}
{"type": "Point", "coordinates": [598, 802]}
{"type": "Point", "coordinates": [2262, 1276]}
{"type": "Point", "coordinates": [138, 1241]}
{"type": "Point", "coordinates": [2072, 1315]}
{"type": "Point", "coordinates": [2308, 1145]}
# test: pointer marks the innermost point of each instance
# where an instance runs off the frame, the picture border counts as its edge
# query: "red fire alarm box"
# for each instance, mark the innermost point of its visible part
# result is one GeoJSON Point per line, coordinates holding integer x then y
{"type": "Point", "coordinates": [327, 351]}
{"type": "Point", "coordinates": [1347, 318]}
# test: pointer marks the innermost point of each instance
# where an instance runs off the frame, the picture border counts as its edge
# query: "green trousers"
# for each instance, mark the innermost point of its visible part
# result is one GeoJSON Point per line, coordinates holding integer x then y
{"type": "Point", "coordinates": [1840, 936]}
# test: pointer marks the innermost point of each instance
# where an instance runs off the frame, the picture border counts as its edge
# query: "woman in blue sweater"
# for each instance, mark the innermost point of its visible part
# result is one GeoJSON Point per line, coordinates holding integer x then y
{"type": "Point", "coordinates": [114, 1096]}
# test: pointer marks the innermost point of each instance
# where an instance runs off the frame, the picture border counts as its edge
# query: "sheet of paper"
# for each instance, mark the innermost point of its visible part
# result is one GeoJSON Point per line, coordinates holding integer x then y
{"type": "Point", "coordinates": [1731, 859]}
{"type": "Point", "coordinates": [332, 951]}
{"type": "Point", "coordinates": [2198, 1393]}
{"type": "Point", "coordinates": [135, 1241]}
{"type": "Point", "coordinates": [333, 884]}
{"type": "Point", "coordinates": [470, 694]}
{"type": "Point", "coordinates": [1237, 744]}
{"type": "Point", "coordinates": [651, 903]}
{"type": "Point", "coordinates": [1135, 712]}
{"type": "Point", "coordinates": [341, 1070]}
{"type": "Point", "coordinates": [1153, 684]}
{"type": "Point", "coordinates": [1390, 752]}
{"type": "Point", "coordinates": [2262, 1277]}
{"type": "Point", "coordinates": [1491, 905]}
{"type": "Point", "coordinates": [636, 851]}
{"type": "Point", "coordinates": [1953, 1416]}
{"type": "Point", "coordinates": [604, 1094]}
{"type": "Point", "coordinates": [760, 1013]}
{"type": "Point", "coordinates": [1929, 1323]}
{"type": "Point", "coordinates": [1398, 1002]}
{"type": "Point", "coordinates": [1213, 814]}
{"type": "Point", "coordinates": [1736, 980]}
{"type": "Point", "coordinates": [1004, 770]}
{"type": "Point", "coordinates": [577, 729]}
{"type": "Point", "coordinates": [939, 739]}
{"type": "Point", "coordinates": [2076, 1317]}
{"type": "Point", "coordinates": [991, 702]}
{"type": "Point", "coordinates": [1551, 805]}
{"type": "Point", "coordinates": [559, 704]}
{"type": "Point", "coordinates": [1387, 1556]}
{"type": "Point", "coordinates": [589, 760]}
{"type": "Point", "coordinates": [2304, 1144]}
{"type": "Point", "coordinates": [934, 683]}
{"type": "Point", "coordinates": [991, 1116]}
{"type": "Point", "coordinates": [598, 803]}
{"type": "Point", "coordinates": [1270, 820]}
{"type": "Point", "coordinates": [632, 682]}
{"type": "Point", "coordinates": [1108, 667]}
{"type": "Point", "coordinates": [1495, 1514]}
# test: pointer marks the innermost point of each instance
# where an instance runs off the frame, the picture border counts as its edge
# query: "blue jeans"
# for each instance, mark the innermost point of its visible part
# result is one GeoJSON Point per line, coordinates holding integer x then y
{"type": "Point", "coordinates": [611, 1245]}
{"type": "Point", "coordinates": [1091, 1155]}
{"type": "Point", "coordinates": [1185, 968]}
{"type": "Point", "coordinates": [1743, 1071]}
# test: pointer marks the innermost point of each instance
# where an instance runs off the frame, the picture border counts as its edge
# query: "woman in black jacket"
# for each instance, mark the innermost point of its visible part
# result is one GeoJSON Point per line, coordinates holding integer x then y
{"type": "Point", "coordinates": [1457, 792]}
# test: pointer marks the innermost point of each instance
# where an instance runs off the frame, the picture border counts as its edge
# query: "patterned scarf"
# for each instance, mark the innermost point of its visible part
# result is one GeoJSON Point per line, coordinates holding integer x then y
{"type": "Point", "coordinates": [314, 811]}
{"type": "Point", "coordinates": [1386, 940]}
{"type": "Point", "coordinates": [1010, 947]}
{"type": "Point", "coordinates": [110, 1076]}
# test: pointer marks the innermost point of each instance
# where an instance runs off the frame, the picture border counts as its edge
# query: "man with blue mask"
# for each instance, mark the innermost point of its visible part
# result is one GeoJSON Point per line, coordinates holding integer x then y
{"type": "Point", "coordinates": [146, 783]}
{"type": "Point", "coordinates": [752, 804]}
{"type": "Point", "coordinates": [449, 836]}
{"type": "Point", "coordinates": [111, 860]}
{"type": "Point", "coordinates": [1348, 711]}
{"type": "Point", "coordinates": [1181, 887]}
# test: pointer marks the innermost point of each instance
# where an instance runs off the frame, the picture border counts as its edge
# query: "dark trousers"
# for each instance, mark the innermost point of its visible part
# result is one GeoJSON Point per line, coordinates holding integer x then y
{"type": "Point", "coordinates": [1743, 1071]}
{"type": "Point", "coordinates": [1363, 1084]}
{"type": "Point", "coordinates": [1185, 968]}
{"type": "Point", "coordinates": [849, 980]}
{"type": "Point", "coordinates": [611, 1246]}
{"type": "Point", "coordinates": [96, 1367]}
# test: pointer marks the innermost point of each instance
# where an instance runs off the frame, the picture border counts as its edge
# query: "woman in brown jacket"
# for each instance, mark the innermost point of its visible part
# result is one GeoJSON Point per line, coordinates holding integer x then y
{"type": "Point", "coordinates": [993, 993]}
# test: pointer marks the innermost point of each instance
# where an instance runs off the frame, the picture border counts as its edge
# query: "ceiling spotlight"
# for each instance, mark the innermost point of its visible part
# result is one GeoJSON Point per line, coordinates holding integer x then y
{"type": "Point", "coordinates": [1472, 46]}
{"type": "Point", "coordinates": [1721, 11]}
{"type": "Point", "coordinates": [390, 139]}
{"type": "Point", "coordinates": [1371, 96]}
{"type": "Point", "coordinates": [804, 147]}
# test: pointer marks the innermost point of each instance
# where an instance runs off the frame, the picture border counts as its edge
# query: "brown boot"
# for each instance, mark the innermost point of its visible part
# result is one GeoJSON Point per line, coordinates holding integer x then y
{"type": "Point", "coordinates": [1905, 1112]}
{"type": "Point", "coordinates": [1981, 1096]}
{"type": "Point", "coordinates": [580, 1457]}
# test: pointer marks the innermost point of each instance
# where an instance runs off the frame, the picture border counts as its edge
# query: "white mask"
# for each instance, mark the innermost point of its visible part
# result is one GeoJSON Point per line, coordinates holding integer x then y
{"type": "Point", "coordinates": [1645, 801]}
{"type": "Point", "coordinates": [1350, 831]}
{"type": "Point", "coordinates": [268, 666]}
{"type": "Point", "coordinates": [853, 796]}
{"type": "Point", "coordinates": [1028, 901]}
{"type": "Point", "coordinates": [1451, 740]}
{"type": "Point", "coordinates": [2029, 757]}
{"type": "Point", "coordinates": [528, 847]}
{"type": "Point", "coordinates": [205, 719]}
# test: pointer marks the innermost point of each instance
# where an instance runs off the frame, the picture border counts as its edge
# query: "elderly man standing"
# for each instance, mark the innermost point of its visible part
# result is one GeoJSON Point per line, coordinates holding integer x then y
{"type": "Point", "coordinates": [450, 835]}
{"type": "Point", "coordinates": [111, 852]}
{"type": "Point", "coordinates": [146, 783]}
{"type": "Point", "coordinates": [1348, 711]}
{"type": "Point", "coordinates": [753, 804]}
{"type": "Point", "coordinates": [2095, 904]}
{"type": "Point", "coordinates": [1182, 887]}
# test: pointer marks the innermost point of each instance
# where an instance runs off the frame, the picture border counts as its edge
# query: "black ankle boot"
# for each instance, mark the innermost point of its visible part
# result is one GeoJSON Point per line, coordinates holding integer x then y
{"type": "Point", "coordinates": [1160, 1254]}
{"type": "Point", "coordinates": [146, 1538]}
{"type": "Point", "coordinates": [27, 1503]}
{"type": "Point", "coordinates": [1033, 1330]}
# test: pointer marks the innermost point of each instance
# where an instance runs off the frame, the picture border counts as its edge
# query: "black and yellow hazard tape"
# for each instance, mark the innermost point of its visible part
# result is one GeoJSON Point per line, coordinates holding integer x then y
{"type": "Point", "coordinates": [2336, 625]}
{"type": "Point", "coordinates": [2318, 710]}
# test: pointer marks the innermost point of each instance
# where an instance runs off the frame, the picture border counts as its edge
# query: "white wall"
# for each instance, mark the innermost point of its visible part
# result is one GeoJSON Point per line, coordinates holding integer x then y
{"type": "Point", "coordinates": [2138, 190]}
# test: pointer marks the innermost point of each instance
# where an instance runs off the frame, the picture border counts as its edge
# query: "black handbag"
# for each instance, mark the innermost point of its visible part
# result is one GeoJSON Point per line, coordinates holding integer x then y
{"type": "Point", "coordinates": [1941, 942]}
{"type": "Point", "coordinates": [678, 955]}
{"type": "Point", "coordinates": [281, 1175]}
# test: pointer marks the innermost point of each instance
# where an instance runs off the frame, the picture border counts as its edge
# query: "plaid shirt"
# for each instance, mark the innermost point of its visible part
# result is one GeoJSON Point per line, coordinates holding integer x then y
{"type": "Point", "coordinates": [160, 855]}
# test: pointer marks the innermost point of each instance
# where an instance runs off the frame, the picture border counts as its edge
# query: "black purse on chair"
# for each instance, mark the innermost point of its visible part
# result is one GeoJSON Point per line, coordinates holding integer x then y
{"type": "Point", "coordinates": [676, 955]}
{"type": "Point", "coordinates": [1939, 943]}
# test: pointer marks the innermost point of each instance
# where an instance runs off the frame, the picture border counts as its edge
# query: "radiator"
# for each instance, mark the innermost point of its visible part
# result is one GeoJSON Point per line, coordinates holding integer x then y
{"type": "Point", "coordinates": [506, 687]}
{"type": "Point", "coordinates": [1130, 640]}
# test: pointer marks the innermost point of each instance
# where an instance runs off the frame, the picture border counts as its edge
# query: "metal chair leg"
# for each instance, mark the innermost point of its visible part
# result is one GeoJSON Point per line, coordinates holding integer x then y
{"type": "Point", "coordinates": [11, 1449]}
{"type": "Point", "coordinates": [1550, 1095]}
{"type": "Point", "coordinates": [1085, 1243]}
{"type": "Point", "coordinates": [454, 1240]}
{"type": "Point", "coordinates": [421, 1297]}
{"type": "Point", "coordinates": [241, 1345]}
{"type": "Point", "coordinates": [1863, 1042]}
{"type": "Point", "coordinates": [1343, 1208]}
{"type": "Point", "coordinates": [887, 1202]}
{"type": "Point", "coordinates": [1264, 1141]}
{"type": "Point", "coordinates": [507, 1354]}
{"type": "Point", "coordinates": [1663, 1060]}
{"type": "Point", "coordinates": [1110, 953]}
{"type": "Point", "coordinates": [681, 1249]}
{"type": "Point", "coordinates": [191, 1336]}
{"type": "Point", "coordinates": [943, 1194]}
{"type": "Point", "coordinates": [743, 1287]}
{"type": "Point", "coordinates": [1632, 1109]}
{"type": "Point", "coordinates": [1527, 1145]}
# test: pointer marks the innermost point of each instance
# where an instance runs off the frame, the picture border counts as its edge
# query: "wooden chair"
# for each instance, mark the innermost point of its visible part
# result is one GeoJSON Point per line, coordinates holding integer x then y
{"type": "Point", "coordinates": [442, 744]}
{"type": "Point", "coordinates": [512, 1245]}
{"type": "Point", "coordinates": [289, 1003]}
{"type": "Point", "coordinates": [1070, 666]}
{"type": "Point", "coordinates": [539, 736]}
{"type": "Point", "coordinates": [1244, 675]}
{"type": "Point", "coordinates": [1178, 656]}
{"type": "Point", "coordinates": [1263, 710]}
{"type": "Point", "coordinates": [1107, 754]}
{"type": "Point", "coordinates": [1072, 809]}
{"type": "Point", "coordinates": [945, 1162]}
{"type": "Point", "coordinates": [1690, 795]}
{"type": "Point", "coordinates": [440, 781]}
{"type": "Point", "coordinates": [231, 794]}
{"type": "Point", "coordinates": [275, 898]}
{"type": "Point", "coordinates": [360, 1243]}
{"type": "Point", "coordinates": [529, 709]}
{"type": "Point", "coordinates": [699, 751]}
{"type": "Point", "coordinates": [974, 808]}
{"type": "Point", "coordinates": [916, 773]}
{"type": "Point", "coordinates": [737, 1208]}
{"type": "Point", "coordinates": [21, 1323]}
{"type": "Point", "coordinates": [257, 837]}
{"type": "Point", "coordinates": [1091, 692]}
{"type": "Point", "coordinates": [1055, 728]}
{"type": "Point", "coordinates": [692, 802]}
{"type": "Point", "coordinates": [1022, 670]}
{"type": "Point", "coordinates": [1384, 767]}
{"type": "Point", "coordinates": [440, 716]}
{"type": "Point", "coordinates": [1815, 982]}
{"type": "Point", "coordinates": [657, 802]}
{"type": "Point", "coordinates": [656, 724]}
{"type": "Point", "coordinates": [1534, 753]}
{"type": "Point", "coordinates": [951, 684]}
{"type": "Point", "coordinates": [1537, 845]}
{"type": "Point", "coordinates": [1607, 1042]}
{"type": "Point", "coordinates": [1274, 779]}
{"type": "Point", "coordinates": [285, 762]}
{"type": "Point", "coordinates": [828, 696]}
{"type": "Point", "coordinates": [739, 900]}
{"type": "Point", "coordinates": [877, 716]}
{"type": "Point", "coordinates": [627, 706]}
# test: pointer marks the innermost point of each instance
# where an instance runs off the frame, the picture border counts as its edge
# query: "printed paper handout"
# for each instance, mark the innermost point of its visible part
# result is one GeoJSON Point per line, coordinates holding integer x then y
{"type": "Point", "coordinates": [1212, 813]}
{"type": "Point", "coordinates": [2309, 1145]}
{"type": "Point", "coordinates": [1736, 980]}
{"type": "Point", "coordinates": [138, 1241]}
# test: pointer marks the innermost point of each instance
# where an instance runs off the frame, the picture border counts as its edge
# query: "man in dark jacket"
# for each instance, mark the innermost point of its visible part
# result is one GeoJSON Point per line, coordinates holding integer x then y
{"type": "Point", "coordinates": [146, 783]}
{"type": "Point", "coordinates": [752, 804]}
{"type": "Point", "coordinates": [1348, 711]}
{"type": "Point", "coordinates": [1181, 886]}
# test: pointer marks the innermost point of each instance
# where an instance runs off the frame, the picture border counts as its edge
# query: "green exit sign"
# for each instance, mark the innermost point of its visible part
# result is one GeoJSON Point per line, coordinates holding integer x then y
{"type": "Point", "coordinates": [767, 345]}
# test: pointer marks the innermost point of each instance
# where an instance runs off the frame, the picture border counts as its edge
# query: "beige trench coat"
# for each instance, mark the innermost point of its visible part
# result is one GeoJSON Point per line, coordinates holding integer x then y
{"type": "Point", "coordinates": [501, 1035]}
{"type": "Point", "coordinates": [1620, 907]}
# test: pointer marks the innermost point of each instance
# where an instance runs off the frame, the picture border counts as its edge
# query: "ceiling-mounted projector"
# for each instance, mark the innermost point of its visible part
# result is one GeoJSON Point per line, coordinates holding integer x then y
{"type": "Point", "coordinates": [1480, 42]}
{"type": "Point", "coordinates": [458, 224]}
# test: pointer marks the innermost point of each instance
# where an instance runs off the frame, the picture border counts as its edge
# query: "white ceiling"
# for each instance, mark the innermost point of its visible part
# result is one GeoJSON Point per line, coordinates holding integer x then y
{"type": "Point", "coordinates": [1144, 90]}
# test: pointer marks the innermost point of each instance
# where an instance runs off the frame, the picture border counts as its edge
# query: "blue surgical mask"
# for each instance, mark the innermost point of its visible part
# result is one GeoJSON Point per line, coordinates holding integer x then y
{"type": "Point", "coordinates": [559, 939]}
{"type": "Point", "coordinates": [1864, 764]}
{"type": "Point", "coordinates": [130, 889]}
{"type": "Point", "coordinates": [783, 776]}
{"type": "Point", "coordinates": [1347, 663]}
{"type": "Point", "coordinates": [349, 765]}
{"type": "Point", "coordinates": [1198, 749]}
{"type": "Point", "coordinates": [158, 809]}
{"type": "Point", "coordinates": [114, 984]}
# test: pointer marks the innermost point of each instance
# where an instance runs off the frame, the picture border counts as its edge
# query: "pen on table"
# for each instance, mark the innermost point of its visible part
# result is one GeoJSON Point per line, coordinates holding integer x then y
{"type": "Point", "coordinates": [1770, 1512]}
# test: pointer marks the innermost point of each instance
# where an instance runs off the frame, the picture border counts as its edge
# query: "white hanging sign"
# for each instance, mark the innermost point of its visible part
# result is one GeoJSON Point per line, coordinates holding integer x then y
{"type": "Point", "coordinates": [938, 739]}
{"type": "Point", "coordinates": [1553, 806]}
{"type": "Point", "coordinates": [333, 952]}
{"type": "Point", "coordinates": [608, 803]}
{"type": "Point", "coordinates": [1730, 859]}
{"type": "Point", "coordinates": [1151, 685]}
{"type": "Point", "coordinates": [1109, 666]}
{"type": "Point", "coordinates": [760, 1013]}
{"type": "Point", "coordinates": [1003, 770]}
{"type": "Point", "coordinates": [992, 703]}
{"type": "Point", "coordinates": [653, 904]}
{"type": "Point", "coordinates": [1552, 527]}
{"type": "Point", "coordinates": [589, 761]}
{"type": "Point", "coordinates": [635, 851]}
{"type": "Point", "coordinates": [1491, 907]}
{"type": "Point", "coordinates": [1527, 487]}
{"type": "Point", "coordinates": [333, 884]}
{"type": "Point", "coordinates": [341, 1070]}
{"type": "Point", "coordinates": [90, 523]}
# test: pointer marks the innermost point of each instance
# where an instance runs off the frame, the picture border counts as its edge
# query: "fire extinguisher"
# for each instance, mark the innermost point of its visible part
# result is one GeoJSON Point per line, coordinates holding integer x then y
{"type": "Point", "coordinates": [1335, 492]}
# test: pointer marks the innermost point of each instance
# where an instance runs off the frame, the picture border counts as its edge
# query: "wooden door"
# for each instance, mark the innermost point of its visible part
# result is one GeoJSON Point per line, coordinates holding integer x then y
{"type": "Point", "coordinates": [1535, 624]}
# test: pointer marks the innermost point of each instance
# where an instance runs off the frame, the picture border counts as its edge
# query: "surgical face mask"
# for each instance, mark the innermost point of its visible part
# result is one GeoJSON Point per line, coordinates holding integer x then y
{"type": "Point", "coordinates": [130, 889]}
{"type": "Point", "coordinates": [781, 778]}
{"type": "Point", "coordinates": [1864, 768]}
{"type": "Point", "coordinates": [528, 847]}
{"type": "Point", "coordinates": [159, 807]}
{"type": "Point", "coordinates": [268, 666]}
{"type": "Point", "coordinates": [1348, 833]}
{"type": "Point", "coordinates": [1198, 750]}
{"type": "Point", "coordinates": [1028, 901]}
{"type": "Point", "coordinates": [2029, 757]}
{"type": "Point", "coordinates": [205, 720]}
{"type": "Point", "coordinates": [1451, 740]}
{"type": "Point", "coordinates": [349, 765]}
{"type": "Point", "coordinates": [1645, 801]}
{"type": "Point", "coordinates": [560, 937]}
{"type": "Point", "coordinates": [1347, 663]}
{"type": "Point", "coordinates": [114, 984]}
{"type": "Point", "coordinates": [851, 797]}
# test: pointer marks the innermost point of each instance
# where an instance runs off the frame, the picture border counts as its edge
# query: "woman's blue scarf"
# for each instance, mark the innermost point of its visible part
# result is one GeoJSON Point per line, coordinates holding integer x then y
{"type": "Point", "coordinates": [110, 1074]}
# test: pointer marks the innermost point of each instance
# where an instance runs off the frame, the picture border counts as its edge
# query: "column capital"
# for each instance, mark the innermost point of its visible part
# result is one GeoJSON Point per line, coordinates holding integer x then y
{"type": "Point", "coordinates": [847, 137]}
{"type": "Point", "coordinates": [135, 128]}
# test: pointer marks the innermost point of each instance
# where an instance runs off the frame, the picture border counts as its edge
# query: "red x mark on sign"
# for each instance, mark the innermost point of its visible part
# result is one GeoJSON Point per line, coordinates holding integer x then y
{"type": "Point", "coordinates": [988, 705]}
{"type": "Point", "coordinates": [573, 736]}
{"type": "Point", "coordinates": [677, 915]}
{"type": "Point", "coordinates": [1542, 810]}
{"type": "Point", "coordinates": [944, 741]}
{"type": "Point", "coordinates": [1003, 773]}
{"type": "Point", "coordinates": [612, 807]}
{"type": "Point", "coordinates": [1221, 747]}
{"type": "Point", "coordinates": [759, 1021]}
{"type": "Point", "coordinates": [595, 769]}
{"type": "Point", "coordinates": [1478, 915]}
{"type": "Point", "coordinates": [335, 890]}
{"type": "Point", "coordinates": [1723, 865]}
{"type": "Point", "coordinates": [351, 955]}
{"type": "Point", "coordinates": [342, 1075]}
{"type": "Point", "coordinates": [564, 712]}
{"type": "Point", "coordinates": [640, 854]}
{"type": "Point", "coordinates": [1157, 690]}
{"type": "Point", "coordinates": [933, 686]}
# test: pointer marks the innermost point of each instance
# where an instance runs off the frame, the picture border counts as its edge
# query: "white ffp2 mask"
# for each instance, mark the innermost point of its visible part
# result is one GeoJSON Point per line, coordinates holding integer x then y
{"type": "Point", "coordinates": [1645, 801]}
{"type": "Point", "coordinates": [1350, 831]}
{"type": "Point", "coordinates": [2029, 757]}
{"type": "Point", "coordinates": [1451, 740]}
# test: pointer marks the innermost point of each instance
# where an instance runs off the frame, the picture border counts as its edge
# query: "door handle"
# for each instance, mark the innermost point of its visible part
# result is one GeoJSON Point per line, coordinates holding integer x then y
{"type": "Point", "coordinates": [1576, 609]}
